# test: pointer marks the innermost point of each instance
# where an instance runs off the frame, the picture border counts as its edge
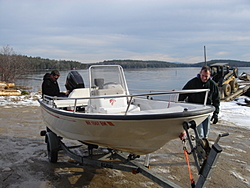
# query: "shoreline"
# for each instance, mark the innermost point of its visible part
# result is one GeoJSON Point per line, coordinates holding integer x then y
{"type": "Point", "coordinates": [24, 163]}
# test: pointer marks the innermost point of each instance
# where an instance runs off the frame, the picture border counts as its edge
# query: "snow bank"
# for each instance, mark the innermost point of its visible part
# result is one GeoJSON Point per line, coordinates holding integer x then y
{"type": "Point", "coordinates": [23, 100]}
{"type": "Point", "coordinates": [236, 112]}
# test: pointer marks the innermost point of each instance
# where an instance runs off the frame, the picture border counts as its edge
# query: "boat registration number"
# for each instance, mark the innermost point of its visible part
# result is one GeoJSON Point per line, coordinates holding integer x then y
{"type": "Point", "coordinates": [102, 123]}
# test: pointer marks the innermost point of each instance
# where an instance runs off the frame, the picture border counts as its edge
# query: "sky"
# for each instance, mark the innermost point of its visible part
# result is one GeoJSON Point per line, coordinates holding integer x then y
{"type": "Point", "coordinates": [92, 31]}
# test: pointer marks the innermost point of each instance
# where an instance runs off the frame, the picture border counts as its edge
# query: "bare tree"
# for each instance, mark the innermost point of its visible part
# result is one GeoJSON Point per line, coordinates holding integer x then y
{"type": "Point", "coordinates": [12, 65]}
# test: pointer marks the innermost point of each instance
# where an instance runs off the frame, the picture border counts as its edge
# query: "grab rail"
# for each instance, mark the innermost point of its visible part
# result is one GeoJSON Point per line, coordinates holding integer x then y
{"type": "Point", "coordinates": [152, 93]}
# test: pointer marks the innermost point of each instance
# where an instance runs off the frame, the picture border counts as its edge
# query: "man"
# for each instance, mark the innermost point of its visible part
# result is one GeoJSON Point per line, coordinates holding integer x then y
{"type": "Point", "coordinates": [203, 81]}
{"type": "Point", "coordinates": [50, 86]}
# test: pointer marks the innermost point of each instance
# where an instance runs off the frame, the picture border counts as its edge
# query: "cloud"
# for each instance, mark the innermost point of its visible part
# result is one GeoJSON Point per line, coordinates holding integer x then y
{"type": "Point", "coordinates": [222, 53]}
{"type": "Point", "coordinates": [96, 30]}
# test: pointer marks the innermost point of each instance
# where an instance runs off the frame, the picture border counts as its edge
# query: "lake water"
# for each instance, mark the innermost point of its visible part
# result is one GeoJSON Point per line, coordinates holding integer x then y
{"type": "Point", "coordinates": [149, 79]}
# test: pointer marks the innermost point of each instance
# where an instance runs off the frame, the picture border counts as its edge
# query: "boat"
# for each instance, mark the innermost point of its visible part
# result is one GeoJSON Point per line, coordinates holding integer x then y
{"type": "Point", "coordinates": [108, 114]}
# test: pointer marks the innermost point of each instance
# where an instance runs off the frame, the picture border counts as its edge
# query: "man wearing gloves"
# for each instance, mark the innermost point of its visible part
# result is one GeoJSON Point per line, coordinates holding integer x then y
{"type": "Point", "coordinates": [203, 81]}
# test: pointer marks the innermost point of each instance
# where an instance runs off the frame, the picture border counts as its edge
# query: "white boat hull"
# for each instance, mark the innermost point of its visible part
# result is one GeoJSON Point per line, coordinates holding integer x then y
{"type": "Point", "coordinates": [139, 136]}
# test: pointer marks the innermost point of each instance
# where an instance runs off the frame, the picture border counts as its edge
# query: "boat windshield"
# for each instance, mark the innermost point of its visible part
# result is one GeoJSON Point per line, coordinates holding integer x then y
{"type": "Point", "coordinates": [107, 80]}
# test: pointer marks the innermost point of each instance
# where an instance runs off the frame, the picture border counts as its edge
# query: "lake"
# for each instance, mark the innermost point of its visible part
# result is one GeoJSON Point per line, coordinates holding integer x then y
{"type": "Point", "coordinates": [149, 79]}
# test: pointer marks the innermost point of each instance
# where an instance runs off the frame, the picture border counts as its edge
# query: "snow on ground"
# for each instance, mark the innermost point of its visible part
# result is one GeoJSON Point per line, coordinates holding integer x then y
{"type": "Point", "coordinates": [235, 111]}
{"type": "Point", "coordinates": [23, 100]}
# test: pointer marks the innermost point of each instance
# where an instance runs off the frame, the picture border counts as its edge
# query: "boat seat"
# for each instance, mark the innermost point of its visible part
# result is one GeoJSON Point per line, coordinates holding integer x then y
{"type": "Point", "coordinates": [79, 93]}
{"type": "Point", "coordinates": [76, 93]}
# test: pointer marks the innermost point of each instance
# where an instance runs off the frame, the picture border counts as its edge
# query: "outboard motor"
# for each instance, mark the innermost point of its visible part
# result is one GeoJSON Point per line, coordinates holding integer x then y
{"type": "Point", "coordinates": [74, 80]}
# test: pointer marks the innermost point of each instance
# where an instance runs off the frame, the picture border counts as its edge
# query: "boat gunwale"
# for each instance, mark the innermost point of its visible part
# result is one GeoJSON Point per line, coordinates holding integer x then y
{"type": "Point", "coordinates": [166, 115]}
{"type": "Point", "coordinates": [151, 93]}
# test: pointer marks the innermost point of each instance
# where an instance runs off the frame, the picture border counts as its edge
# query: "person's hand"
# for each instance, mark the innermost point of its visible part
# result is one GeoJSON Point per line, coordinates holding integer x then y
{"type": "Point", "coordinates": [214, 118]}
{"type": "Point", "coordinates": [67, 92]}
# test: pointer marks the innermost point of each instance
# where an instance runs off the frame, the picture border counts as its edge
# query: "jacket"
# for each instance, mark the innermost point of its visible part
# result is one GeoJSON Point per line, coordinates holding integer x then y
{"type": "Point", "coordinates": [49, 87]}
{"type": "Point", "coordinates": [196, 83]}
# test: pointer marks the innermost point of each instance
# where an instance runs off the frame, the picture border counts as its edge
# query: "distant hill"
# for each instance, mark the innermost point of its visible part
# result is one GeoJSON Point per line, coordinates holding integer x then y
{"type": "Point", "coordinates": [39, 63]}
{"type": "Point", "coordinates": [141, 64]}
{"type": "Point", "coordinates": [163, 64]}
{"type": "Point", "coordinates": [233, 63]}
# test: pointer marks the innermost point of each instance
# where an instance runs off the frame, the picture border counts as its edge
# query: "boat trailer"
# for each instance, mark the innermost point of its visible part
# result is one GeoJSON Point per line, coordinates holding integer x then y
{"type": "Point", "coordinates": [205, 160]}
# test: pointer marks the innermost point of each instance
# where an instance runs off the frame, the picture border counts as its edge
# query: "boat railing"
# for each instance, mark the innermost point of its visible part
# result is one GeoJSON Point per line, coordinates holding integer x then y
{"type": "Point", "coordinates": [51, 99]}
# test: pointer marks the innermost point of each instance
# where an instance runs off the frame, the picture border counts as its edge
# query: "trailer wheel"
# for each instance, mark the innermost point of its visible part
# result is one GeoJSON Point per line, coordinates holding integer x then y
{"type": "Point", "coordinates": [234, 85]}
{"type": "Point", "coordinates": [226, 89]}
{"type": "Point", "coordinates": [52, 146]}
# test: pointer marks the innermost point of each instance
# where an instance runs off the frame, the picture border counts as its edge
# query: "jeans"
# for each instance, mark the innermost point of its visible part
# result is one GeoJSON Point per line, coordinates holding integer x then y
{"type": "Point", "coordinates": [204, 128]}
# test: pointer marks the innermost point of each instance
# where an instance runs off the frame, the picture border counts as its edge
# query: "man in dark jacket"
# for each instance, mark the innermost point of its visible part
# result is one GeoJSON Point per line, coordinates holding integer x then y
{"type": "Point", "coordinates": [203, 81]}
{"type": "Point", "coordinates": [50, 86]}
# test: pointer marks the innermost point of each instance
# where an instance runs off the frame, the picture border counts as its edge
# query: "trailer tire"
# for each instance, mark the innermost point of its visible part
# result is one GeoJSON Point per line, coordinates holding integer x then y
{"type": "Point", "coordinates": [52, 146]}
{"type": "Point", "coordinates": [234, 85]}
{"type": "Point", "coordinates": [226, 89]}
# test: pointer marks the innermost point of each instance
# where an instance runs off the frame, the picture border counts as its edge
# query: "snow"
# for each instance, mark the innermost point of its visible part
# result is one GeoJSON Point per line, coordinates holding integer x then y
{"type": "Point", "coordinates": [235, 111]}
{"type": "Point", "coordinates": [23, 100]}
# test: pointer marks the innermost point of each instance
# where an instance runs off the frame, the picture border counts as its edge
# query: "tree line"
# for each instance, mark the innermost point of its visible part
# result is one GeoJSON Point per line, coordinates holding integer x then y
{"type": "Point", "coordinates": [163, 64]}
{"type": "Point", "coordinates": [131, 64]}
{"type": "Point", "coordinates": [48, 64]}
{"type": "Point", "coordinates": [12, 65]}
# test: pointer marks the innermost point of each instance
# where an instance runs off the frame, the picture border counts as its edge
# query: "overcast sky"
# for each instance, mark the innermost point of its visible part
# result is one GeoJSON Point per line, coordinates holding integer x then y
{"type": "Point", "coordinates": [91, 31]}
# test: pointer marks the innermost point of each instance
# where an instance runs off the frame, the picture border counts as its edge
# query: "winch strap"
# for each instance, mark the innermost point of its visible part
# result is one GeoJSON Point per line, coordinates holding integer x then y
{"type": "Point", "coordinates": [189, 169]}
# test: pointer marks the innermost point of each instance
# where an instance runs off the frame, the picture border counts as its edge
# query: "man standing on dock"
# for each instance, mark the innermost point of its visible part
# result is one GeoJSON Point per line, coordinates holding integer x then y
{"type": "Point", "coordinates": [203, 81]}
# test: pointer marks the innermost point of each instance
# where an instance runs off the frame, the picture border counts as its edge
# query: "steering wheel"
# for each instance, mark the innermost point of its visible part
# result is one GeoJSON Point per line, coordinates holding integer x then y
{"type": "Point", "coordinates": [109, 83]}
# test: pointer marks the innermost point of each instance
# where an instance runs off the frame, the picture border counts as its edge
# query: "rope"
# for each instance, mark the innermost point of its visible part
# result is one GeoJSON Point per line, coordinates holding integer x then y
{"type": "Point", "coordinates": [189, 168]}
